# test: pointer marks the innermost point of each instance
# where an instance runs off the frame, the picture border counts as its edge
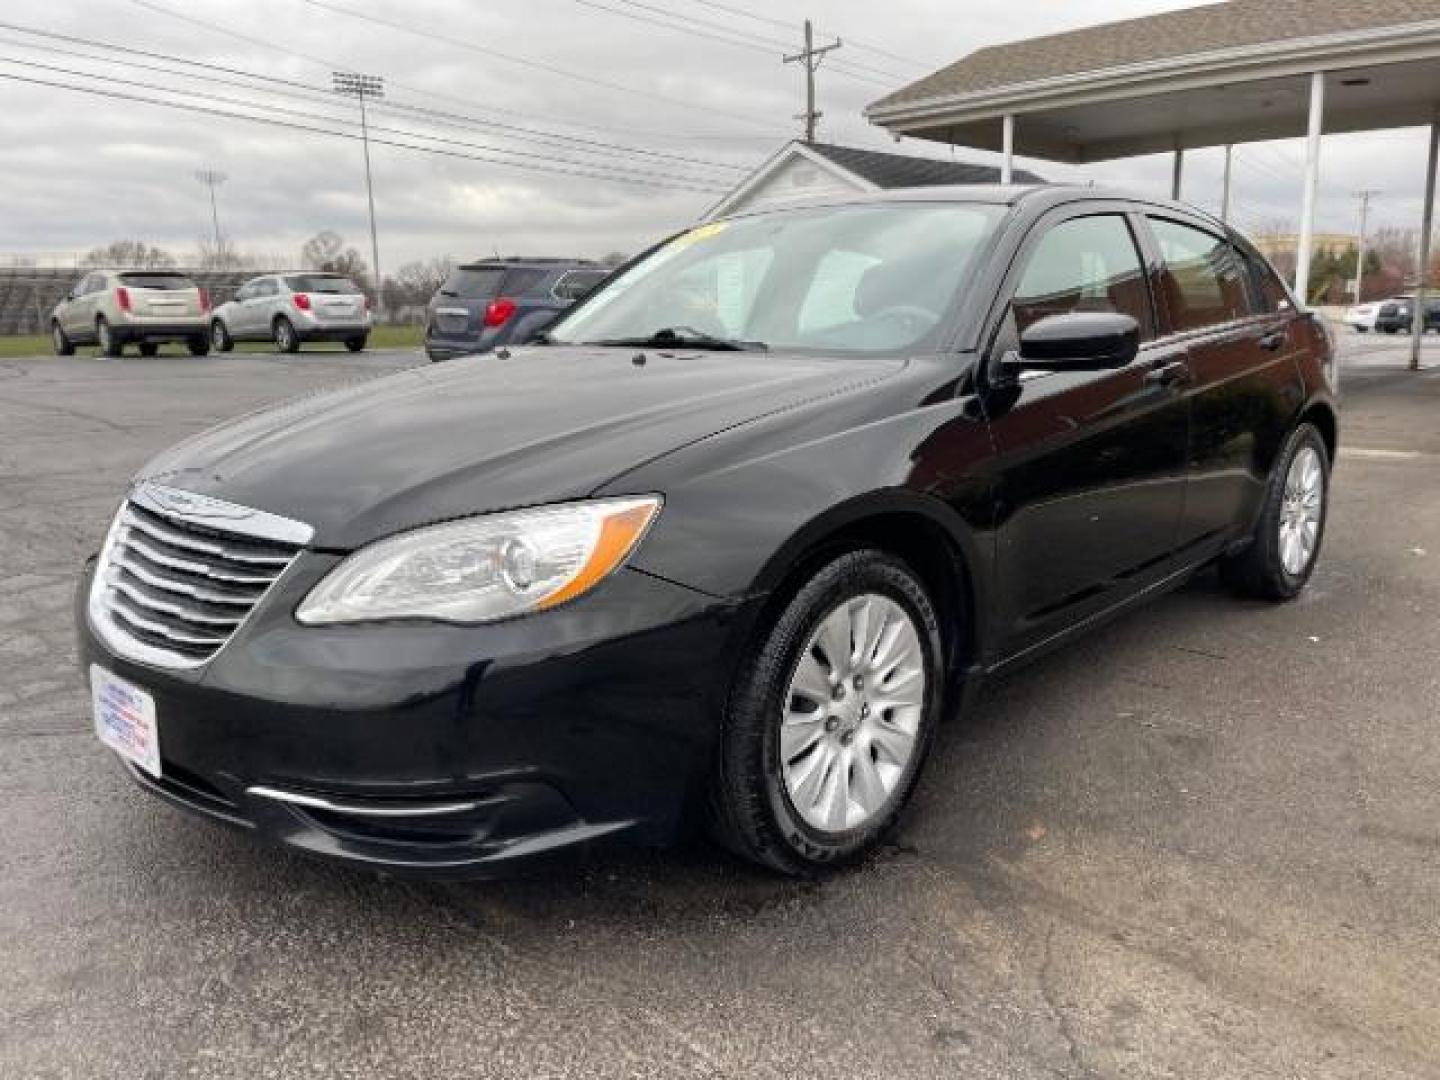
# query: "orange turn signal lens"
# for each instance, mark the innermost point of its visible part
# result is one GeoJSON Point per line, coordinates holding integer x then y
{"type": "Point", "coordinates": [620, 532]}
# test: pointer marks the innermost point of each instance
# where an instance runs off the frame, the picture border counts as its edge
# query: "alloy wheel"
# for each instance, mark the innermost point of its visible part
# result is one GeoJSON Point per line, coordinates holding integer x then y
{"type": "Point", "coordinates": [1301, 510]}
{"type": "Point", "coordinates": [852, 713]}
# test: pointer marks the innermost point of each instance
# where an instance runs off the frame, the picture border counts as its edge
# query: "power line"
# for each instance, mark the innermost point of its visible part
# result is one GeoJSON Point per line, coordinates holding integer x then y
{"type": "Point", "coordinates": [599, 169]}
{"type": "Point", "coordinates": [312, 129]}
{"type": "Point", "coordinates": [853, 41]}
{"type": "Point", "coordinates": [579, 144]}
{"type": "Point", "coordinates": [329, 64]}
{"type": "Point", "coordinates": [748, 41]}
{"type": "Point", "coordinates": [511, 58]}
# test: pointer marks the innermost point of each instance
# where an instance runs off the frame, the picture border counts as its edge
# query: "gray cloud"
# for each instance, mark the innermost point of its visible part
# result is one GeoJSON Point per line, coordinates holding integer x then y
{"type": "Point", "coordinates": [80, 170]}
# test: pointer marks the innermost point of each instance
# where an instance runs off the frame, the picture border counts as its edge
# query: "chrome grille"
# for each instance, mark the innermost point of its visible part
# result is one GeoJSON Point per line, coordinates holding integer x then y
{"type": "Point", "coordinates": [180, 572]}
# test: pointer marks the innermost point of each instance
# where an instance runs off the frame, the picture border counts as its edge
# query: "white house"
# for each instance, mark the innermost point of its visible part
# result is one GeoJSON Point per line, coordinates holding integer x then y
{"type": "Point", "coordinates": [802, 171]}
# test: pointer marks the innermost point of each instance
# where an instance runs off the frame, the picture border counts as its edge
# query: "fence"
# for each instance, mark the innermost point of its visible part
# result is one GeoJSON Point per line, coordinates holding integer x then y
{"type": "Point", "coordinates": [28, 294]}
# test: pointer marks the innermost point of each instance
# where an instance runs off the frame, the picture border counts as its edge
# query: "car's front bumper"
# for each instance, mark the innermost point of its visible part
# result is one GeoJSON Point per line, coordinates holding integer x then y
{"type": "Point", "coordinates": [453, 750]}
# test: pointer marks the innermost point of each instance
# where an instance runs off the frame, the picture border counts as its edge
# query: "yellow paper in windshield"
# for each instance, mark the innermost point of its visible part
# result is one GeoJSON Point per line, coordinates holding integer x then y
{"type": "Point", "coordinates": [700, 232]}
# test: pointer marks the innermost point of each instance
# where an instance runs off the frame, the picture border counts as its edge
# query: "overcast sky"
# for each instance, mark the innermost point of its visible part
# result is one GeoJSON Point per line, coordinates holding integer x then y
{"type": "Point", "coordinates": [81, 170]}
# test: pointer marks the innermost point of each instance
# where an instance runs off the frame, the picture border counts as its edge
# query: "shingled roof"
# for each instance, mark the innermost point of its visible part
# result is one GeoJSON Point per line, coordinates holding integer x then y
{"type": "Point", "coordinates": [903, 170]}
{"type": "Point", "coordinates": [1211, 28]}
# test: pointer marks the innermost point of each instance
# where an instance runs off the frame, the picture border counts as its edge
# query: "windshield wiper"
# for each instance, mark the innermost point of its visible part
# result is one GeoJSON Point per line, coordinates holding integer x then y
{"type": "Point", "coordinates": [685, 337]}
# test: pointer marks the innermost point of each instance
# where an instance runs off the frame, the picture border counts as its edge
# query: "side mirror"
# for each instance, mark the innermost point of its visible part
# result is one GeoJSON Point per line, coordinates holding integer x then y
{"type": "Point", "coordinates": [1080, 341]}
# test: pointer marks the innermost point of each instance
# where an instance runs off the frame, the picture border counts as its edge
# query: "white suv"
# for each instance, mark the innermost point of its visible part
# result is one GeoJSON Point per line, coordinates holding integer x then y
{"type": "Point", "coordinates": [290, 308]}
{"type": "Point", "coordinates": [114, 308]}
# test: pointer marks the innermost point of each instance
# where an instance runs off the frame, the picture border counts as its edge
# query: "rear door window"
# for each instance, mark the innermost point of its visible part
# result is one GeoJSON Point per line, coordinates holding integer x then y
{"type": "Point", "coordinates": [474, 282]}
{"type": "Point", "coordinates": [1271, 291]}
{"type": "Point", "coordinates": [1085, 264]}
{"type": "Point", "coordinates": [1203, 281]}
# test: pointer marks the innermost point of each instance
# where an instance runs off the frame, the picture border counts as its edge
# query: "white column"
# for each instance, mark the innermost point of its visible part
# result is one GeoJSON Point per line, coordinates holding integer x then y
{"type": "Point", "coordinates": [1312, 185]}
{"type": "Point", "coordinates": [1007, 149]}
{"type": "Point", "coordinates": [1417, 320]}
{"type": "Point", "coordinates": [1177, 174]}
{"type": "Point", "coordinates": [1225, 188]}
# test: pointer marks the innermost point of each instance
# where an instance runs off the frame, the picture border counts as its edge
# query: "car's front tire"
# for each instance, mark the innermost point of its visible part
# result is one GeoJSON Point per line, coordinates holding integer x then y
{"type": "Point", "coordinates": [59, 341]}
{"type": "Point", "coordinates": [286, 339]}
{"type": "Point", "coordinates": [220, 337]}
{"type": "Point", "coordinates": [830, 718]}
{"type": "Point", "coordinates": [1281, 555]}
{"type": "Point", "coordinates": [105, 338]}
{"type": "Point", "coordinates": [148, 348]}
{"type": "Point", "coordinates": [199, 345]}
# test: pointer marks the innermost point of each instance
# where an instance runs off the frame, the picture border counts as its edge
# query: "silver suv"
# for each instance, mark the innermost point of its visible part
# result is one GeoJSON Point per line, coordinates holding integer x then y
{"type": "Point", "coordinates": [113, 308]}
{"type": "Point", "coordinates": [291, 308]}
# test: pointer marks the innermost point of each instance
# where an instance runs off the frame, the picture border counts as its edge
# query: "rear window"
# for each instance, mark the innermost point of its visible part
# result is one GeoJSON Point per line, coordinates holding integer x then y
{"type": "Point", "coordinates": [474, 282]}
{"type": "Point", "coordinates": [168, 282]}
{"type": "Point", "coordinates": [318, 283]}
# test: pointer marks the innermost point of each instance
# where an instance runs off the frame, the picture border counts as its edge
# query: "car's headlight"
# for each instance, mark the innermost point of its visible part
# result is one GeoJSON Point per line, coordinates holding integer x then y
{"type": "Point", "coordinates": [483, 568]}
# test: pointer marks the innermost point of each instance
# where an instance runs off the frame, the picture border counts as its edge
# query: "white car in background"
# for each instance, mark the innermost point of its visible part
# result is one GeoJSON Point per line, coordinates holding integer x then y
{"type": "Point", "coordinates": [292, 308]}
{"type": "Point", "coordinates": [1362, 316]}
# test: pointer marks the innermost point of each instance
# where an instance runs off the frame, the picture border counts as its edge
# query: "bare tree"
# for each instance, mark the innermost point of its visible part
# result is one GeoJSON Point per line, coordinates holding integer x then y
{"type": "Point", "coordinates": [327, 251]}
{"type": "Point", "coordinates": [223, 256]}
{"type": "Point", "coordinates": [132, 253]}
{"type": "Point", "coordinates": [413, 284]}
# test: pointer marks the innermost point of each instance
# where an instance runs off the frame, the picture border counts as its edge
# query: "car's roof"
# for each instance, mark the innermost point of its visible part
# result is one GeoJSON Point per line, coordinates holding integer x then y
{"type": "Point", "coordinates": [538, 261]}
{"type": "Point", "coordinates": [1037, 196]}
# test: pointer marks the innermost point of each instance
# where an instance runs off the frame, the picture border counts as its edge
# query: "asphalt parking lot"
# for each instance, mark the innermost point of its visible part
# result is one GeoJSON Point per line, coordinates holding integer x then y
{"type": "Point", "coordinates": [1203, 843]}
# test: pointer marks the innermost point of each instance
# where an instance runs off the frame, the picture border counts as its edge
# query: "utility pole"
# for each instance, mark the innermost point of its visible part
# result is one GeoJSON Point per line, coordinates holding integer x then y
{"type": "Point", "coordinates": [811, 58]}
{"type": "Point", "coordinates": [213, 178]}
{"type": "Point", "coordinates": [1364, 196]}
{"type": "Point", "coordinates": [351, 84]}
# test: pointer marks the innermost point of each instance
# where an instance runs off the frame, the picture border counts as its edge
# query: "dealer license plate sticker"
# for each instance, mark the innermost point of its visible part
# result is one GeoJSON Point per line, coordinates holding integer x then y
{"type": "Point", "coordinates": [125, 719]}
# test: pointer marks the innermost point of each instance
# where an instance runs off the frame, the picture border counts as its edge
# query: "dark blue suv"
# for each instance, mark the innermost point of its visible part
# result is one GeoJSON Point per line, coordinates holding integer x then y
{"type": "Point", "coordinates": [503, 301]}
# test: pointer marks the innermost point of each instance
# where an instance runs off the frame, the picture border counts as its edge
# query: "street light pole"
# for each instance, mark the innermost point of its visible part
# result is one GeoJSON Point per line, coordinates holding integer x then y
{"type": "Point", "coordinates": [213, 178]}
{"type": "Point", "coordinates": [351, 84]}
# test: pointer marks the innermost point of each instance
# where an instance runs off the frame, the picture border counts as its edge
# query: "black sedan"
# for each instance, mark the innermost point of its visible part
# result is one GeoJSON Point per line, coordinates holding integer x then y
{"type": "Point", "coordinates": [725, 544]}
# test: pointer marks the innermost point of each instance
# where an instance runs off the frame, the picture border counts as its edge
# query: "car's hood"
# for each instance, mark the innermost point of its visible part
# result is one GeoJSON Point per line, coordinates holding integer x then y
{"type": "Point", "coordinates": [540, 425]}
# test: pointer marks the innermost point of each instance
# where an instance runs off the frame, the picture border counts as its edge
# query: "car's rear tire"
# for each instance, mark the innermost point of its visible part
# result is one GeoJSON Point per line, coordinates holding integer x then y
{"type": "Point", "coordinates": [823, 738]}
{"type": "Point", "coordinates": [283, 333]}
{"type": "Point", "coordinates": [148, 348]}
{"type": "Point", "coordinates": [59, 341]}
{"type": "Point", "coordinates": [199, 345]}
{"type": "Point", "coordinates": [1282, 553]}
{"type": "Point", "coordinates": [105, 338]}
{"type": "Point", "coordinates": [220, 337]}
{"type": "Point", "coordinates": [357, 344]}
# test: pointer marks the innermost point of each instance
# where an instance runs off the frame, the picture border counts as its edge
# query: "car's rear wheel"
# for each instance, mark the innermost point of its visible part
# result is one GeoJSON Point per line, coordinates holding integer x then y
{"type": "Point", "coordinates": [148, 348]}
{"type": "Point", "coordinates": [59, 341]}
{"type": "Point", "coordinates": [105, 337]}
{"type": "Point", "coordinates": [830, 719]}
{"type": "Point", "coordinates": [357, 344]}
{"type": "Point", "coordinates": [220, 337]}
{"type": "Point", "coordinates": [1281, 555]}
{"type": "Point", "coordinates": [286, 340]}
{"type": "Point", "coordinates": [198, 344]}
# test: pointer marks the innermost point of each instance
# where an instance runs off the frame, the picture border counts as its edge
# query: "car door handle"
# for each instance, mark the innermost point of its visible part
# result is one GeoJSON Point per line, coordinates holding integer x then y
{"type": "Point", "coordinates": [1175, 373]}
{"type": "Point", "coordinates": [1272, 341]}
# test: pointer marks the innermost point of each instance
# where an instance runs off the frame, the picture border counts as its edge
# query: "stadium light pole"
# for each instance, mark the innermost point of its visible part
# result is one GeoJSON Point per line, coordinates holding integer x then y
{"type": "Point", "coordinates": [360, 87]}
{"type": "Point", "coordinates": [213, 178]}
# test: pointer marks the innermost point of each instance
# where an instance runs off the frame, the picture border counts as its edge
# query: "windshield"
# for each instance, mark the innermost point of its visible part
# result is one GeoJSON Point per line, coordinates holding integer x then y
{"type": "Point", "coordinates": [319, 283]}
{"type": "Point", "coordinates": [854, 279]}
